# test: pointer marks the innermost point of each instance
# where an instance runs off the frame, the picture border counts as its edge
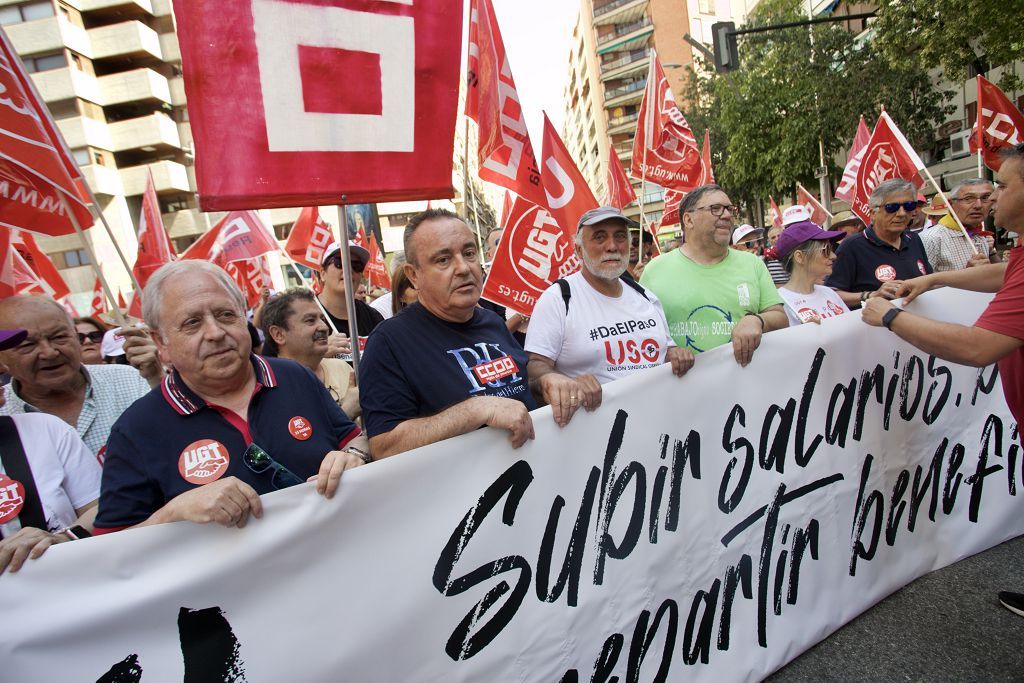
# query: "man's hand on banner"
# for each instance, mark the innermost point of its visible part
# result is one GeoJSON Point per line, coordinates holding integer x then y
{"type": "Point", "coordinates": [140, 350]}
{"type": "Point", "coordinates": [746, 337]}
{"type": "Point", "coordinates": [681, 360]}
{"type": "Point", "coordinates": [874, 309]}
{"type": "Point", "coordinates": [332, 466]}
{"type": "Point", "coordinates": [27, 543]}
{"type": "Point", "coordinates": [507, 413]}
{"type": "Point", "coordinates": [566, 395]}
{"type": "Point", "coordinates": [228, 501]}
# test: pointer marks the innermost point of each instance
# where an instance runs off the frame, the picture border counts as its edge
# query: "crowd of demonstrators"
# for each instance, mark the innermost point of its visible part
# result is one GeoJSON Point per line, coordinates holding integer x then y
{"type": "Point", "coordinates": [874, 263]}
{"type": "Point", "coordinates": [332, 296]}
{"type": "Point", "coordinates": [294, 328]}
{"type": "Point", "coordinates": [712, 294]}
{"type": "Point", "coordinates": [748, 238]}
{"type": "Point", "coordinates": [90, 337]}
{"type": "Point", "coordinates": [998, 335]}
{"type": "Point", "coordinates": [945, 243]}
{"type": "Point", "coordinates": [225, 425]}
{"type": "Point", "coordinates": [443, 366]}
{"type": "Point", "coordinates": [807, 253]}
{"type": "Point", "coordinates": [598, 324]}
{"type": "Point", "coordinates": [918, 217]}
{"type": "Point", "coordinates": [50, 481]}
{"type": "Point", "coordinates": [48, 376]}
{"type": "Point", "coordinates": [848, 222]}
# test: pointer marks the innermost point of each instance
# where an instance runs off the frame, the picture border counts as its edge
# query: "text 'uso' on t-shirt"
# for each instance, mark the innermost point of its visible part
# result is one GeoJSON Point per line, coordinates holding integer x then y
{"type": "Point", "coordinates": [416, 365]}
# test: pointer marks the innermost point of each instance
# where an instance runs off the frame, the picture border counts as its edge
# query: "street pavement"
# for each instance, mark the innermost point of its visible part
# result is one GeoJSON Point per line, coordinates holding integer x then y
{"type": "Point", "coordinates": [946, 626]}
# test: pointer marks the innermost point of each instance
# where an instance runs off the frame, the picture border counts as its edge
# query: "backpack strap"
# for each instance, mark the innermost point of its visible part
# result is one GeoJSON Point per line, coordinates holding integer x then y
{"type": "Point", "coordinates": [563, 284]}
{"type": "Point", "coordinates": [12, 454]}
{"type": "Point", "coordinates": [639, 288]}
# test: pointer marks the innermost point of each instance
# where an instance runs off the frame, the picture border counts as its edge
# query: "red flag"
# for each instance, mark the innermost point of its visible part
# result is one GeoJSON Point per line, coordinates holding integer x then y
{"type": "Point", "coordinates": [99, 301]}
{"type": "Point", "coordinates": [705, 160]}
{"type": "Point", "coordinates": [533, 253]}
{"type": "Point", "coordinates": [845, 191]}
{"type": "Point", "coordinates": [1000, 125]}
{"type": "Point", "coordinates": [376, 269]}
{"type": "Point", "coordinates": [506, 208]}
{"type": "Point", "coordinates": [40, 263]}
{"type": "Point", "coordinates": [620, 190]}
{"type": "Point", "coordinates": [121, 303]}
{"type": "Point", "coordinates": [135, 309]}
{"type": "Point", "coordinates": [16, 276]}
{"type": "Point", "coordinates": [207, 247]}
{"type": "Point", "coordinates": [673, 200]}
{"type": "Point", "coordinates": [664, 148]}
{"type": "Point", "coordinates": [316, 101]}
{"type": "Point", "coordinates": [155, 248]}
{"type": "Point", "coordinates": [506, 154]}
{"type": "Point", "coordinates": [887, 155]}
{"type": "Point", "coordinates": [243, 236]}
{"type": "Point", "coordinates": [308, 239]}
{"type": "Point", "coordinates": [819, 214]}
{"type": "Point", "coordinates": [69, 307]}
{"type": "Point", "coordinates": [572, 196]}
{"type": "Point", "coordinates": [360, 238]}
{"type": "Point", "coordinates": [36, 171]}
{"type": "Point", "coordinates": [774, 213]}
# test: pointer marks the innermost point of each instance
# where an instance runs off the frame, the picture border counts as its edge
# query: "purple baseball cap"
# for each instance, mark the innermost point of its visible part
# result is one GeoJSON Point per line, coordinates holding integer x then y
{"type": "Point", "coordinates": [11, 338]}
{"type": "Point", "coordinates": [796, 234]}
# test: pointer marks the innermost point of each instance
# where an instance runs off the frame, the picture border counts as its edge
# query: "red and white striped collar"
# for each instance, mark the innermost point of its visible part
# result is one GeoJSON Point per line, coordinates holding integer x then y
{"type": "Point", "coordinates": [187, 402]}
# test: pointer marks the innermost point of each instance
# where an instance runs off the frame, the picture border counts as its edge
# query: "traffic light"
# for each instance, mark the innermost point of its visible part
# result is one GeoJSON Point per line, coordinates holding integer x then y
{"type": "Point", "coordinates": [727, 56]}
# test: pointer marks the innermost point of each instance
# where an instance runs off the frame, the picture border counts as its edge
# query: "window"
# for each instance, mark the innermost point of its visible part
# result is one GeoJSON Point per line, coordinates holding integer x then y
{"type": "Point", "coordinates": [72, 259]}
{"type": "Point", "coordinates": [706, 6]}
{"type": "Point", "coordinates": [27, 12]}
{"type": "Point", "coordinates": [972, 114]}
{"type": "Point", "coordinates": [44, 62]}
{"type": "Point", "coordinates": [97, 158]}
{"type": "Point", "coordinates": [282, 230]}
{"type": "Point", "coordinates": [81, 156]}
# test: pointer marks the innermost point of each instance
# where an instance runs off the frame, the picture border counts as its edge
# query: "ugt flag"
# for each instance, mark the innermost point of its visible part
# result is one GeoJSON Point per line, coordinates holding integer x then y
{"type": "Point", "coordinates": [302, 102]}
{"type": "Point", "coordinates": [1000, 125]}
{"type": "Point", "coordinates": [620, 190]}
{"type": "Point", "coordinates": [887, 155]}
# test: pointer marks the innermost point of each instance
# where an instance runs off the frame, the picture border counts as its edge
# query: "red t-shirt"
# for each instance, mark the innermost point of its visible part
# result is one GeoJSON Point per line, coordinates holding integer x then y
{"type": "Point", "coordinates": [1005, 315]}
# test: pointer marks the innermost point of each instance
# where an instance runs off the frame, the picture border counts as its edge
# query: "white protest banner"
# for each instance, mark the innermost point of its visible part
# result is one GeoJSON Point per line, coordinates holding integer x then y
{"type": "Point", "coordinates": [708, 528]}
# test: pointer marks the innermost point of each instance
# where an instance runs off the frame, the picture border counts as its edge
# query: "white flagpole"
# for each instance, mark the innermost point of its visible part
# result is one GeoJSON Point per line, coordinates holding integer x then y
{"type": "Point", "coordinates": [952, 213]}
{"type": "Point", "coordinates": [118, 316]}
{"type": "Point", "coordinates": [350, 301]}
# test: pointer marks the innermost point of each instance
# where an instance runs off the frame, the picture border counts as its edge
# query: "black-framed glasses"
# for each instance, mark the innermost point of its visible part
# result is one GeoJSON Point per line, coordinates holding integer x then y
{"type": "Point", "coordinates": [717, 209]}
{"type": "Point", "coordinates": [259, 461]}
{"type": "Point", "coordinates": [94, 337]}
{"type": "Point", "coordinates": [893, 207]}
{"type": "Point", "coordinates": [335, 260]}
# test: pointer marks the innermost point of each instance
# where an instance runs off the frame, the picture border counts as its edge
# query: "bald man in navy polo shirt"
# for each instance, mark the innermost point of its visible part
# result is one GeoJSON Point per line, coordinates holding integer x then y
{"type": "Point", "coordinates": [226, 425]}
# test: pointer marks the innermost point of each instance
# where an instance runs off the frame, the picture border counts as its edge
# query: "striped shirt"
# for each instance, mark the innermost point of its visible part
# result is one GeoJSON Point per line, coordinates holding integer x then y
{"type": "Point", "coordinates": [777, 271]}
{"type": "Point", "coordinates": [948, 249]}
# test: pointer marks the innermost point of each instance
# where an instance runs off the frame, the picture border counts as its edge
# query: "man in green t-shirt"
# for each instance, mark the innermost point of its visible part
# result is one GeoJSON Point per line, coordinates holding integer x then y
{"type": "Point", "coordinates": [713, 294]}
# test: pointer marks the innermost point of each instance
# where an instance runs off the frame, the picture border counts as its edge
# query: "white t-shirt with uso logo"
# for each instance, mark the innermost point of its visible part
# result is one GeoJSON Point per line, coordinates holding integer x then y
{"type": "Point", "coordinates": [607, 337]}
{"type": "Point", "coordinates": [823, 302]}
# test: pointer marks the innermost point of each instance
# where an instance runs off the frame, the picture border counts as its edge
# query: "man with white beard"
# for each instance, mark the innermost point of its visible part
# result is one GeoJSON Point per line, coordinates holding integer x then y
{"type": "Point", "coordinates": [598, 324]}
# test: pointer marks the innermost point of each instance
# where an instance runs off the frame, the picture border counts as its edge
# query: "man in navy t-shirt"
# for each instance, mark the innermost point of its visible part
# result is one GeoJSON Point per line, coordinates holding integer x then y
{"type": "Point", "coordinates": [443, 366]}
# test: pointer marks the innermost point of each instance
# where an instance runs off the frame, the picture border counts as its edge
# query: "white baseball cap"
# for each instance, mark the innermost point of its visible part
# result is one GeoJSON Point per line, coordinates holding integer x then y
{"type": "Point", "coordinates": [740, 233]}
{"type": "Point", "coordinates": [112, 344]}
{"type": "Point", "coordinates": [797, 213]}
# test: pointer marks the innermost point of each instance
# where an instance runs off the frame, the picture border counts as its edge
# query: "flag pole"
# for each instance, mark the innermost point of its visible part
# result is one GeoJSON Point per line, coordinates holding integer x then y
{"type": "Point", "coordinates": [118, 315]}
{"type": "Point", "coordinates": [970, 241]}
{"type": "Point", "coordinates": [346, 272]}
{"type": "Point", "coordinates": [467, 189]}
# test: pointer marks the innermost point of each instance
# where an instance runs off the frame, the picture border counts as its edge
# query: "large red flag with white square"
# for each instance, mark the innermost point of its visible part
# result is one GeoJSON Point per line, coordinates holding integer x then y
{"type": "Point", "coordinates": [299, 102]}
{"type": "Point", "coordinates": [664, 148]}
{"type": "Point", "coordinates": [309, 237]}
{"type": "Point", "coordinates": [1000, 125]}
{"type": "Point", "coordinates": [567, 193]}
{"type": "Point", "coordinates": [620, 190]}
{"type": "Point", "coordinates": [887, 155]}
{"type": "Point", "coordinates": [35, 169]}
{"type": "Point", "coordinates": [505, 151]}
{"type": "Point", "coordinates": [534, 252]}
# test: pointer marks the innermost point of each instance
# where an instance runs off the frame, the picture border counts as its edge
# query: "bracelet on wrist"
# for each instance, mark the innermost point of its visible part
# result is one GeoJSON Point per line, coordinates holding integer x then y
{"type": "Point", "coordinates": [758, 316]}
{"type": "Point", "coordinates": [360, 453]}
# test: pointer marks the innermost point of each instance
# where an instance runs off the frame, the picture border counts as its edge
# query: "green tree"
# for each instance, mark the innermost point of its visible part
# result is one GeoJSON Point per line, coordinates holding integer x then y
{"type": "Point", "coordinates": [953, 34]}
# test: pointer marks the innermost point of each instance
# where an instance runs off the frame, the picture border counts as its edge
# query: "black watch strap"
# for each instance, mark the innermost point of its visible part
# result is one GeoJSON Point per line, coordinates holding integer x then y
{"type": "Point", "coordinates": [889, 316]}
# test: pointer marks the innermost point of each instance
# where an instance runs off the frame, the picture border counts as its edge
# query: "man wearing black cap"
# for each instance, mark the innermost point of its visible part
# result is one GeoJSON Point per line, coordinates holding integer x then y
{"type": "Point", "coordinates": [597, 325]}
{"type": "Point", "coordinates": [333, 295]}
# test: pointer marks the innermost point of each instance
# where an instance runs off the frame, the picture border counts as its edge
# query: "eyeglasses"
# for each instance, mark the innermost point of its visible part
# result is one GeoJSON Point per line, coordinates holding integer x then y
{"type": "Point", "coordinates": [259, 461]}
{"type": "Point", "coordinates": [893, 207]}
{"type": "Point", "coordinates": [751, 244]}
{"type": "Point", "coordinates": [335, 260]}
{"type": "Point", "coordinates": [717, 209]}
{"type": "Point", "coordinates": [971, 198]}
{"type": "Point", "coordinates": [828, 248]}
{"type": "Point", "coordinates": [94, 337]}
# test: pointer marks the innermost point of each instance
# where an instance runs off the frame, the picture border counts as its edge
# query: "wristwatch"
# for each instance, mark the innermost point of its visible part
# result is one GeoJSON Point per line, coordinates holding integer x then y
{"type": "Point", "coordinates": [889, 316]}
{"type": "Point", "coordinates": [359, 453]}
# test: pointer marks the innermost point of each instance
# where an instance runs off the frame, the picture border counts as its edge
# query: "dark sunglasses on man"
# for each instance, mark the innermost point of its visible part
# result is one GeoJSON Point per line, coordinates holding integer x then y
{"type": "Point", "coordinates": [335, 260]}
{"type": "Point", "coordinates": [94, 337]}
{"type": "Point", "coordinates": [259, 461]}
{"type": "Point", "coordinates": [893, 207]}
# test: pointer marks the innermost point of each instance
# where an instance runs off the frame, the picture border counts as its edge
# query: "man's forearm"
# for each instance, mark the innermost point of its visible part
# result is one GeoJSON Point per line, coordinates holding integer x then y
{"type": "Point", "coordinates": [948, 341]}
{"type": "Point", "coordinates": [978, 279]}
{"type": "Point", "coordinates": [774, 318]}
{"type": "Point", "coordinates": [851, 299]}
{"type": "Point", "coordinates": [460, 418]}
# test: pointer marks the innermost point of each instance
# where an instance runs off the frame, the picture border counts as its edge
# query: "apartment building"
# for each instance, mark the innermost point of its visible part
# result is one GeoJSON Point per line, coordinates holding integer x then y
{"type": "Point", "coordinates": [608, 72]}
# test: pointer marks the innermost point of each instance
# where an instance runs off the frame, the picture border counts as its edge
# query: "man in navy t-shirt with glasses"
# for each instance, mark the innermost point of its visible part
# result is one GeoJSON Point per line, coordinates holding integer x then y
{"type": "Point", "coordinates": [443, 366]}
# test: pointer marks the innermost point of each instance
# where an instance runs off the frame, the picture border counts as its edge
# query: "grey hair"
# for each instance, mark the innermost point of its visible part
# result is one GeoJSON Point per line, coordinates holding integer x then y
{"type": "Point", "coordinates": [689, 202]}
{"type": "Point", "coordinates": [969, 182]}
{"type": "Point", "coordinates": [153, 294]}
{"type": "Point", "coordinates": [888, 187]}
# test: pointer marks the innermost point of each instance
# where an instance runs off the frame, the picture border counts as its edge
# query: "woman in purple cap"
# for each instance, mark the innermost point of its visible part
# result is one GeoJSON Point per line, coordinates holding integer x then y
{"type": "Point", "coordinates": [807, 252]}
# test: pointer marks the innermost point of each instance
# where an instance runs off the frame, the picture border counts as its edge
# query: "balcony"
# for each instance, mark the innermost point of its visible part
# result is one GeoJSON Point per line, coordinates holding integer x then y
{"type": "Point", "coordinates": [162, 8]}
{"type": "Point", "coordinates": [635, 61]}
{"type": "Point", "coordinates": [103, 180]}
{"type": "Point", "coordinates": [137, 85]}
{"type": "Point", "coordinates": [177, 86]}
{"type": "Point", "coordinates": [169, 47]}
{"type": "Point", "coordinates": [156, 130]}
{"type": "Point", "coordinates": [48, 35]}
{"type": "Point", "coordinates": [626, 36]}
{"type": "Point", "coordinates": [168, 176]}
{"type": "Point", "coordinates": [624, 94]}
{"type": "Point", "coordinates": [624, 149]}
{"type": "Point", "coordinates": [82, 131]}
{"type": "Point", "coordinates": [619, 11]}
{"type": "Point", "coordinates": [186, 222]}
{"type": "Point", "coordinates": [65, 84]}
{"type": "Point", "coordinates": [119, 8]}
{"type": "Point", "coordinates": [127, 39]}
{"type": "Point", "coordinates": [620, 124]}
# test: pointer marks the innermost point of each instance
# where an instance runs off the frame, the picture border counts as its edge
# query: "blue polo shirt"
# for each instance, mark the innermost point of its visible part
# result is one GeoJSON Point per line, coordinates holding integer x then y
{"type": "Point", "coordinates": [864, 262]}
{"type": "Point", "coordinates": [171, 441]}
{"type": "Point", "coordinates": [416, 365]}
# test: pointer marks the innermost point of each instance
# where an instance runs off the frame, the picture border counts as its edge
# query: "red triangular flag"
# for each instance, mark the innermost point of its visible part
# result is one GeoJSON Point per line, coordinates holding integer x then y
{"type": "Point", "coordinates": [40, 263]}
{"type": "Point", "coordinates": [819, 214]}
{"type": "Point", "coordinates": [568, 195]}
{"type": "Point", "coordinates": [846, 187]}
{"type": "Point", "coordinates": [774, 213]}
{"type": "Point", "coordinates": [120, 301]}
{"type": "Point", "coordinates": [887, 155]}
{"type": "Point", "coordinates": [1000, 125]}
{"type": "Point", "coordinates": [208, 247]}
{"type": "Point", "coordinates": [620, 190]}
{"type": "Point", "coordinates": [243, 236]}
{"type": "Point", "coordinates": [376, 269]}
{"type": "Point", "coordinates": [673, 200]}
{"type": "Point", "coordinates": [99, 301]}
{"type": "Point", "coordinates": [506, 154]}
{"type": "Point", "coordinates": [506, 209]}
{"type": "Point", "coordinates": [155, 248]}
{"type": "Point", "coordinates": [309, 237]}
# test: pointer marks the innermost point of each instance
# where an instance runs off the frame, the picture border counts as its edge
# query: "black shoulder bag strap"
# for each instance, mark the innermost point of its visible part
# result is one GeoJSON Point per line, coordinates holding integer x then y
{"type": "Point", "coordinates": [12, 454]}
{"type": "Point", "coordinates": [563, 284]}
{"type": "Point", "coordinates": [633, 284]}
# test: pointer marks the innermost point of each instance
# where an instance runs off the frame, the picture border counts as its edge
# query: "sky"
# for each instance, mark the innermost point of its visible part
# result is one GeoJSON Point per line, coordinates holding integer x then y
{"type": "Point", "coordinates": [538, 35]}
